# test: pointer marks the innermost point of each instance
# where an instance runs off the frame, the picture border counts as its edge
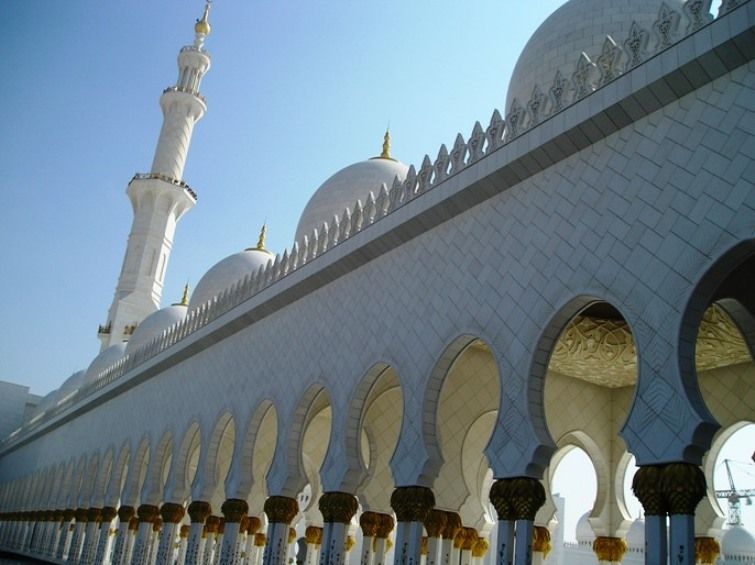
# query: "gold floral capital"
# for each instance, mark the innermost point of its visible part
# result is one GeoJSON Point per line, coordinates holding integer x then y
{"type": "Point", "coordinates": [609, 549]}
{"type": "Point", "coordinates": [260, 540]}
{"type": "Point", "coordinates": [385, 527]}
{"type": "Point", "coordinates": [184, 532]}
{"type": "Point", "coordinates": [411, 504]}
{"type": "Point", "coordinates": [453, 525]}
{"type": "Point", "coordinates": [199, 511]}
{"type": "Point", "coordinates": [313, 535]}
{"type": "Point", "coordinates": [435, 521]}
{"type": "Point", "coordinates": [369, 522]}
{"type": "Point", "coordinates": [470, 538]}
{"type": "Point", "coordinates": [253, 524]}
{"type": "Point", "coordinates": [500, 496]}
{"type": "Point", "coordinates": [94, 514]}
{"type": "Point", "coordinates": [646, 486]}
{"type": "Point", "coordinates": [527, 495]}
{"type": "Point", "coordinates": [423, 546]}
{"type": "Point", "coordinates": [291, 535]}
{"type": "Point", "coordinates": [338, 507]}
{"type": "Point", "coordinates": [133, 524]}
{"type": "Point", "coordinates": [81, 515]}
{"type": "Point", "coordinates": [211, 524]}
{"type": "Point", "coordinates": [172, 513]}
{"type": "Point", "coordinates": [281, 509]}
{"type": "Point", "coordinates": [480, 548]}
{"type": "Point", "coordinates": [683, 485]}
{"type": "Point", "coordinates": [234, 509]}
{"type": "Point", "coordinates": [108, 514]}
{"type": "Point", "coordinates": [349, 544]}
{"type": "Point", "coordinates": [147, 513]}
{"type": "Point", "coordinates": [707, 550]}
{"type": "Point", "coordinates": [125, 513]}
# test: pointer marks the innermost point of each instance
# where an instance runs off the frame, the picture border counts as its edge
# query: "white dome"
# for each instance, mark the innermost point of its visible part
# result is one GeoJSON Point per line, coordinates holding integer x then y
{"type": "Point", "coordinates": [584, 532]}
{"type": "Point", "coordinates": [636, 534]}
{"type": "Point", "coordinates": [104, 359]}
{"type": "Point", "coordinates": [47, 402]}
{"type": "Point", "coordinates": [155, 324]}
{"type": "Point", "coordinates": [344, 188]}
{"type": "Point", "coordinates": [227, 272]}
{"type": "Point", "coordinates": [737, 542]}
{"type": "Point", "coordinates": [577, 26]}
{"type": "Point", "coordinates": [70, 386]}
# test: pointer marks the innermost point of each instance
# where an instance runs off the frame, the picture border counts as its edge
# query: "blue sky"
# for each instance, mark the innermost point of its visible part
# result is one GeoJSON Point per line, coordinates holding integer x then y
{"type": "Point", "coordinates": [297, 90]}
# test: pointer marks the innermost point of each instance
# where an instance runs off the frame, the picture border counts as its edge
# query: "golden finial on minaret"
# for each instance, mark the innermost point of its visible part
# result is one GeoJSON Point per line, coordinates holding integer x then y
{"type": "Point", "coordinates": [386, 154]}
{"type": "Point", "coordinates": [203, 25]}
{"type": "Point", "coordinates": [261, 240]}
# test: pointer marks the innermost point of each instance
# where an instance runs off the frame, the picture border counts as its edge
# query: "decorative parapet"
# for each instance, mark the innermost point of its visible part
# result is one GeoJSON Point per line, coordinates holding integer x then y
{"type": "Point", "coordinates": [616, 58]}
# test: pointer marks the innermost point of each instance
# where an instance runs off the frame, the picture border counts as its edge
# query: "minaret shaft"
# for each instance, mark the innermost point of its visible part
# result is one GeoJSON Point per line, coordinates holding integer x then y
{"type": "Point", "coordinates": [159, 198]}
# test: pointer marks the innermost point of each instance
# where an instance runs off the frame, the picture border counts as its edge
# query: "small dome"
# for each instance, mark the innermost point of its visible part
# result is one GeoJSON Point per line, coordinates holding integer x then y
{"type": "Point", "coordinates": [154, 325]}
{"type": "Point", "coordinates": [737, 542]}
{"type": "Point", "coordinates": [577, 26]}
{"type": "Point", "coordinates": [47, 402]}
{"type": "Point", "coordinates": [344, 188]}
{"type": "Point", "coordinates": [584, 532]}
{"type": "Point", "coordinates": [636, 534]}
{"type": "Point", "coordinates": [106, 358]}
{"type": "Point", "coordinates": [228, 271]}
{"type": "Point", "coordinates": [70, 386]}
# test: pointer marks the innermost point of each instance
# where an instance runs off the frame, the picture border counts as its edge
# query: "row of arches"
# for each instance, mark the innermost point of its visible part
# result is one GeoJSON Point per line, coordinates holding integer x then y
{"type": "Point", "coordinates": [590, 371]}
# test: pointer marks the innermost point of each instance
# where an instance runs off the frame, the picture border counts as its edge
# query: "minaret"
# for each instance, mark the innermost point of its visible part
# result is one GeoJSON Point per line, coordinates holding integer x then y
{"type": "Point", "coordinates": [161, 197]}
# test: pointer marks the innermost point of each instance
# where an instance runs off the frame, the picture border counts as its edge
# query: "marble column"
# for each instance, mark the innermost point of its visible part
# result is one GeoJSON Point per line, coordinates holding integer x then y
{"type": "Point", "coordinates": [313, 537]}
{"type": "Point", "coordinates": [91, 536]}
{"type": "Point", "coordinates": [647, 488]}
{"type": "Point", "coordinates": [183, 544]}
{"type": "Point", "coordinates": [125, 513]}
{"type": "Point", "coordinates": [280, 510]}
{"type": "Point", "coordinates": [147, 514]}
{"type": "Point", "coordinates": [103, 542]}
{"type": "Point", "coordinates": [198, 511]}
{"type": "Point", "coordinates": [683, 486]}
{"type": "Point", "coordinates": [260, 542]}
{"type": "Point", "coordinates": [434, 524]}
{"type": "Point", "coordinates": [209, 533]}
{"type": "Point", "coordinates": [337, 509]}
{"type": "Point", "coordinates": [448, 534]}
{"type": "Point", "coordinates": [77, 540]}
{"type": "Point", "coordinates": [411, 505]}
{"type": "Point", "coordinates": [253, 525]}
{"type": "Point", "coordinates": [541, 544]}
{"type": "Point", "coordinates": [382, 539]}
{"type": "Point", "coordinates": [479, 550]}
{"type": "Point", "coordinates": [516, 501]}
{"type": "Point", "coordinates": [234, 510]}
{"type": "Point", "coordinates": [171, 513]}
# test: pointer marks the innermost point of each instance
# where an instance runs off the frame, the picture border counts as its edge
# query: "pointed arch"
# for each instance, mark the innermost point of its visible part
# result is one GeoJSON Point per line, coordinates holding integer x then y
{"type": "Point", "coordinates": [182, 475]}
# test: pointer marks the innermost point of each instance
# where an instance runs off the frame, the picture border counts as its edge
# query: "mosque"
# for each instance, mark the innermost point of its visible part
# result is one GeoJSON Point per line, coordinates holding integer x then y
{"type": "Point", "coordinates": [399, 385]}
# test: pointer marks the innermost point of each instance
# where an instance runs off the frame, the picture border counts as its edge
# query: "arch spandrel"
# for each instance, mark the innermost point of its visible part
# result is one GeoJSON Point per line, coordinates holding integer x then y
{"type": "Point", "coordinates": [103, 477]}
{"type": "Point", "coordinates": [214, 461]}
{"type": "Point", "coordinates": [118, 475]}
{"type": "Point", "coordinates": [178, 485]}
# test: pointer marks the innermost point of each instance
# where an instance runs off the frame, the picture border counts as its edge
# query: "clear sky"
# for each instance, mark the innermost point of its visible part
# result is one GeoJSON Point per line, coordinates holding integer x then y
{"type": "Point", "coordinates": [297, 90]}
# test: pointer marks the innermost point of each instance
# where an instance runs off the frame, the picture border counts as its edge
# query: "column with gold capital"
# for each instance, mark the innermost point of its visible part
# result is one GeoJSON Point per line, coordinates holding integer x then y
{"type": "Point", "coordinates": [260, 542]}
{"type": "Point", "coordinates": [107, 515]}
{"type": "Point", "coordinates": [646, 485]}
{"type": "Point", "coordinates": [369, 522]}
{"type": "Point", "coordinates": [499, 496]}
{"type": "Point", "coordinates": [434, 524]}
{"type": "Point", "coordinates": [147, 514]}
{"type": "Point", "coordinates": [198, 512]}
{"type": "Point", "coordinates": [382, 539]}
{"type": "Point", "coordinates": [209, 533]}
{"type": "Point", "coordinates": [541, 544]}
{"type": "Point", "coordinates": [516, 500]}
{"type": "Point", "coordinates": [468, 541]}
{"type": "Point", "coordinates": [234, 510]}
{"type": "Point", "coordinates": [684, 487]}
{"type": "Point", "coordinates": [448, 533]}
{"type": "Point", "coordinates": [91, 536]}
{"type": "Point", "coordinates": [171, 513]}
{"type": "Point", "coordinates": [411, 505]}
{"type": "Point", "coordinates": [280, 510]}
{"type": "Point", "coordinates": [78, 536]}
{"type": "Point", "coordinates": [337, 509]}
{"type": "Point", "coordinates": [253, 525]}
{"type": "Point", "coordinates": [313, 537]}
{"type": "Point", "coordinates": [183, 539]}
{"type": "Point", "coordinates": [125, 513]}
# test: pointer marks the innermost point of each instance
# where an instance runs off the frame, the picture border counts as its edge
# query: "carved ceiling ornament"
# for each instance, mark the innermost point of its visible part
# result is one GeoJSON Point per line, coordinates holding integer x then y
{"type": "Point", "coordinates": [602, 351]}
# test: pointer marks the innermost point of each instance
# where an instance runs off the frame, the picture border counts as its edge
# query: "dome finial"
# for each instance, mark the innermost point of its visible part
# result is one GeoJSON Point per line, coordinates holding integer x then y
{"type": "Point", "coordinates": [261, 240]}
{"type": "Point", "coordinates": [185, 295]}
{"type": "Point", "coordinates": [203, 25]}
{"type": "Point", "coordinates": [386, 154]}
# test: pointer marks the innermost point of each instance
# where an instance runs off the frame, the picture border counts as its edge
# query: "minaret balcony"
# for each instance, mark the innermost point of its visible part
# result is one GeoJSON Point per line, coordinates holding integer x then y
{"type": "Point", "coordinates": [158, 176]}
{"type": "Point", "coordinates": [185, 90]}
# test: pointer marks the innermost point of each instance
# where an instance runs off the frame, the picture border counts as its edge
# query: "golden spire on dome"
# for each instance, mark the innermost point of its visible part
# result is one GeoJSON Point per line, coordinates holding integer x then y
{"type": "Point", "coordinates": [386, 154]}
{"type": "Point", "coordinates": [203, 25]}
{"type": "Point", "coordinates": [184, 297]}
{"type": "Point", "coordinates": [261, 240]}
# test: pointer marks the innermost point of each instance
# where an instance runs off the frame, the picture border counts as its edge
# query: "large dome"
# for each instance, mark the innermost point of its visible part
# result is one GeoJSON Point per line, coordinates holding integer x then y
{"type": "Point", "coordinates": [577, 26]}
{"type": "Point", "coordinates": [106, 358]}
{"type": "Point", "coordinates": [227, 272]}
{"type": "Point", "coordinates": [344, 188]}
{"type": "Point", "coordinates": [154, 325]}
{"type": "Point", "coordinates": [70, 386]}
